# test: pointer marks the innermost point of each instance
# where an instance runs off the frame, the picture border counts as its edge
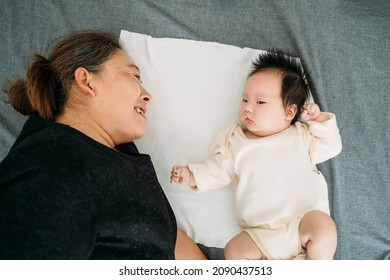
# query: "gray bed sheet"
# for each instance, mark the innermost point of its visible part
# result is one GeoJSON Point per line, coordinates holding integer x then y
{"type": "Point", "coordinates": [345, 45]}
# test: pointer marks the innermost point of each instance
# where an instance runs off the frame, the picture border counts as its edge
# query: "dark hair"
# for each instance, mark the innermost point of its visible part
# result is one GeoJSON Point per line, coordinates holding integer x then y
{"type": "Point", "coordinates": [295, 87]}
{"type": "Point", "coordinates": [45, 90]}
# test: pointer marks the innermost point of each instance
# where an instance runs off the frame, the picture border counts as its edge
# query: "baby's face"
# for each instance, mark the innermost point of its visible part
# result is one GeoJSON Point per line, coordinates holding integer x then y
{"type": "Point", "coordinates": [261, 111]}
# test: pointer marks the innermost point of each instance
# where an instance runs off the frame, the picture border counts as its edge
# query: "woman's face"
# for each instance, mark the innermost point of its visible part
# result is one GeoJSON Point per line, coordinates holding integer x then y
{"type": "Point", "coordinates": [121, 100]}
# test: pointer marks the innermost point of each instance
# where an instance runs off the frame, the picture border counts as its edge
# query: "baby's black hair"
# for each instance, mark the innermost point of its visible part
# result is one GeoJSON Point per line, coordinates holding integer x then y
{"type": "Point", "coordinates": [295, 87]}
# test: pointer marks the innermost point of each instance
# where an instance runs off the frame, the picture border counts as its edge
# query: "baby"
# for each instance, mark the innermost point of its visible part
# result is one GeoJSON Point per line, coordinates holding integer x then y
{"type": "Point", "coordinates": [281, 197]}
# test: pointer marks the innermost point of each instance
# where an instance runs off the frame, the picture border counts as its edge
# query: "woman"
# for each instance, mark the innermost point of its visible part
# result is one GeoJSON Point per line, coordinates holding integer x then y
{"type": "Point", "coordinates": [73, 185]}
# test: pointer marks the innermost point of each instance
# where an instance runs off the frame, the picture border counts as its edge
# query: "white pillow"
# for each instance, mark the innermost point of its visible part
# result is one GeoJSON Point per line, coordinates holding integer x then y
{"type": "Point", "coordinates": [196, 88]}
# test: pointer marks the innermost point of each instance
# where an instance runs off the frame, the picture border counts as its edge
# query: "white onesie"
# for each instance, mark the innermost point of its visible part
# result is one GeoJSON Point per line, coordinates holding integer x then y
{"type": "Point", "coordinates": [276, 178]}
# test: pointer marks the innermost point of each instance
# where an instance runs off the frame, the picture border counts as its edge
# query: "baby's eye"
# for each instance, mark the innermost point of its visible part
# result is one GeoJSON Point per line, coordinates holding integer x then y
{"type": "Point", "coordinates": [244, 100]}
{"type": "Point", "coordinates": [260, 102]}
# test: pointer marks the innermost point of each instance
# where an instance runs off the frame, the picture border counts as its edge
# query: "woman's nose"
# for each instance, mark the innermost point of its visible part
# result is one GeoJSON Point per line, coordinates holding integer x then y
{"type": "Point", "coordinates": [145, 96]}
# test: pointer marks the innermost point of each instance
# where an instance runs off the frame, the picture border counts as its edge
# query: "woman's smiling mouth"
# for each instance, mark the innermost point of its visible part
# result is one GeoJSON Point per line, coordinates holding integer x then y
{"type": "Point", "coordinates": [140, 110]}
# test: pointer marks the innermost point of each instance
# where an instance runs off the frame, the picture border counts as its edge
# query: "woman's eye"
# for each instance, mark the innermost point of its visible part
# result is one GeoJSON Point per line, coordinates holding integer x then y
{"type": "Point", "coordinates": [138, 77]}
{"type": "Point", "coordinates": [260, 102]}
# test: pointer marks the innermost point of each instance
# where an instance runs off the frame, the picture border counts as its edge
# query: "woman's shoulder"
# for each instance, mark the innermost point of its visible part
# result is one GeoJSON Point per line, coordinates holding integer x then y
{"type": "Point", "coordinates": [50, 138]}
{"type": "Point", "coordinates": [49, 156]}
{"type": "Point", "coordinates": [49, 148]}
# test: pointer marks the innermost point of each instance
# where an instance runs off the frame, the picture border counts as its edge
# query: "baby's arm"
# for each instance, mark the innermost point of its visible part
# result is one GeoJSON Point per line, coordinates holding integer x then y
{"type": "Point", "coordinates": [325, 141]}
{"type": "Point", "coordinates": [182, 175]}
{"type": "Point", "coordinates": [215, 172]}
{"type": "Point", "coordinates": [312, 112]}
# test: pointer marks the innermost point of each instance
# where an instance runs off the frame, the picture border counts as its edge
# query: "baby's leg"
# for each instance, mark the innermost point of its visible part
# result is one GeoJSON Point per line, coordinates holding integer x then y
{"type": "Point", "coordinates": [318, 235]}
{"type": "Point", "coordinates": [242, 247]}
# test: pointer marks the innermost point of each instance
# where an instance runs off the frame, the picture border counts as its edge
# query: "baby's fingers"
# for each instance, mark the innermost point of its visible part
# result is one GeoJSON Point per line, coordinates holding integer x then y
{"type": "Point", "coordinates": [175, 174]}
{"type": "Point", "coordinates": [175, 171]}
{"type": "Point", "coordinates": [304, 114]}
{"type": "Point", "coordinates": [175, 179]}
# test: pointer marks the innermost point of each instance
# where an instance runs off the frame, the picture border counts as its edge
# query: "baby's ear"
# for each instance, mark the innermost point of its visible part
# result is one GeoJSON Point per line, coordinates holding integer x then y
{"type": "Point", "coordinates": [291, 111]}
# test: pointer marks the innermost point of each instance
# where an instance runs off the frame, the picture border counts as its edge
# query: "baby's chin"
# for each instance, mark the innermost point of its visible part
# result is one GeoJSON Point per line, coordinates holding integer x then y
{"type": "Point", "coordinates": [253, 134]}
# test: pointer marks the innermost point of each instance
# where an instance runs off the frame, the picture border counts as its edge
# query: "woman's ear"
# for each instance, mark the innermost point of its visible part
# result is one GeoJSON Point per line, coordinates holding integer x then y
{"type": "Point", "coordinates": [291, 111]}
{"type": "Point", "coordinates": [83, 81]}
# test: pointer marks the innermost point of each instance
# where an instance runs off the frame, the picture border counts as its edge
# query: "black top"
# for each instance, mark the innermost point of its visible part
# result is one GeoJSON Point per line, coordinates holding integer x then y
{"type": "Point", "coordinates": [65, 196]}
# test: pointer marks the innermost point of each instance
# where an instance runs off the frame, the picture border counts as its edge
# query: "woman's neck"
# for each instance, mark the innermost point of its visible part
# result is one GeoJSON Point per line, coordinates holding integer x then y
{"type": "Point", "coordinates": [82, 122]}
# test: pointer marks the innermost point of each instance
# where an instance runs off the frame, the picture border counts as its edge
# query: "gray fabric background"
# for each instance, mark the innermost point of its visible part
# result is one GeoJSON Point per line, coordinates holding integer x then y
{"type": "Point", "coordinates": [345, 45]}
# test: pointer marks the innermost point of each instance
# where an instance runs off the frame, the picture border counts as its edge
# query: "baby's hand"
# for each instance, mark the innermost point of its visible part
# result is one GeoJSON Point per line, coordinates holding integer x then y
{"type": "Point", "coordinates": [310, 112]}
{"type": "Point", "coordinates": [182, 175]}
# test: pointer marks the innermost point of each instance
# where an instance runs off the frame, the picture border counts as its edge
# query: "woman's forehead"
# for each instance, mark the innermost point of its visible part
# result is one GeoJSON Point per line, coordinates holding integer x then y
{"type": "Point", "coordinates": [123, 60]}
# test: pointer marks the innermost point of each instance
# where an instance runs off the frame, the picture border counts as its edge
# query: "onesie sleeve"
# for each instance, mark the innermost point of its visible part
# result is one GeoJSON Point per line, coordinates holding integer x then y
{"type": "Point", "coordinates": [324, 139]}
{"type": "Point", "coordinates": [217, 171]}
